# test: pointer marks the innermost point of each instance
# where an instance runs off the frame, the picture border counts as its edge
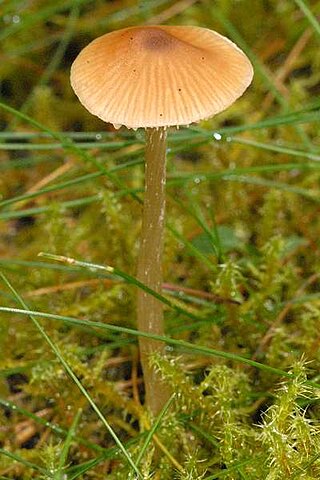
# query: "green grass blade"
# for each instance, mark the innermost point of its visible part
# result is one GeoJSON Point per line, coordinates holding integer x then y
{"type": "Point", "coordinates": [51, 188]}
{"type": "Point", "coordinates": [24, 163]}
{"type": "Point", "coordinates": [58, 146]}
{"type": "Point", "coordinates": [61, 432]}
{"type": "Point", "coordinates": [75, 379]}
{"type": "Point", "coordinates": [310, 195]}
{"type": "Point", "coordinates": [24, 462]}
{"type": "Point", "coordinates": [192, 249]}
{"type": "Point", "coordinates": [125, 276]}
{"type": "Point", "coordinates": [66, 269]}
{"type": "Point", "coordinates": [79, 202]}
{"type": "Point", "coordinates": [56, 58]}
{"type": "Point", "coordinates": [68, 144]}
{"type": "Point", "coordinates": [259, 68]}
{"type": "Point", "coordinates": [60, 474]}
{"type": "Point", "coordinates": [63, 44]}
{"type": "Point", "coordinates": [309, 15]}
{"type": "Point", "coordinates": [181, 177]}
{"type": "Point", "coordinates": [41, 15]}
{"type": "Point", "coordinates": [292, 118]}
{"type": "Point", "coordinates": [194, 210]}
{"type": "Point", "coordinates": [123, 15]}
{"type": "Point", "coordinates": [69, 183]}
{"type": "Point", "coordinates": [181, 344]}
{"type": "Point", "coordinates": [209, 438]}
{"type": "Point", "coordinates": [154, 428]}
{"type": "Point", "coordinates": [276, 148]}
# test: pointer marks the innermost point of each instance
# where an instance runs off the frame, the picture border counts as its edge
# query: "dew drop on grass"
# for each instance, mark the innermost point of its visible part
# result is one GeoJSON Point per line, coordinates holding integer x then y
{"type": "Point", "coordinates": [294, 172]}
{"type": "Point", "coordinates": [140, 135]}
{"type": "Point", "coordinates": [269, 305]}
{"type": "Point", "coordinates": [217, 136]}
{"type": "Point", "coordinates": [199, 179]}
{"type": "Point", "coordinates": [11, 19]}
{"type": "Point", "coordinates": [98, 136]}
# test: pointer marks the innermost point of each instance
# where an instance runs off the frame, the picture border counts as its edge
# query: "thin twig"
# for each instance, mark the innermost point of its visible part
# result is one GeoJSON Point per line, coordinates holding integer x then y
{"type": "Point", "coordinates": [289, 63]}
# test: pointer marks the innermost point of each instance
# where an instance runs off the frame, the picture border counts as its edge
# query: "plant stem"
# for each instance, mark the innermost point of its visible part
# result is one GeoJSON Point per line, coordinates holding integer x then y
{"type": "Point", "coordinates": [149, 309]}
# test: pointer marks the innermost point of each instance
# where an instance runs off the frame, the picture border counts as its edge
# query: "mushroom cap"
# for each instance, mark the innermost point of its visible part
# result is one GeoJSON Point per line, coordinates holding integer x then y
{"type": "Point", "coordinates": [158, 76]}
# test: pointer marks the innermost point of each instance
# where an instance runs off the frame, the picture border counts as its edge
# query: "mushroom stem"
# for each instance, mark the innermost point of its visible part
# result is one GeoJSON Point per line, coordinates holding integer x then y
{"type": "Point", "coordinates": [149, 309]}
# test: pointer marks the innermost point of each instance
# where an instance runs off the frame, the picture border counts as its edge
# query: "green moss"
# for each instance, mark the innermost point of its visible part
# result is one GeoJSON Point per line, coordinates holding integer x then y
{"type": "Point", "coordinates": [241, 258]}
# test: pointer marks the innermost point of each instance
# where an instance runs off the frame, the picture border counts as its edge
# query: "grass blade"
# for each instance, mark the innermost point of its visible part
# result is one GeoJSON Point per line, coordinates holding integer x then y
{"type": "Point", "coordinates": [66, 447]}
{"type": "Point", "coordinates": [68, 369]}
{"type": "Point", "coordinates": [21, 460]}
{"type": "Point", "coordinates": [309, 15]}
{"type": "Point", "coordinates": [154, 429]}
{"type": "Point", "coordinates": [125, 276]}
{"type": "Point", "coordinates": [61, 432]}
{"type": "Point", "coordinates": [181, 344]}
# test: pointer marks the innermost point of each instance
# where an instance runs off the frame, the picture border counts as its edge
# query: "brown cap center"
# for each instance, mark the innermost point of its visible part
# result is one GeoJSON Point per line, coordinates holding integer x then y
{"type": "Point", "coordinates": [153, 38]}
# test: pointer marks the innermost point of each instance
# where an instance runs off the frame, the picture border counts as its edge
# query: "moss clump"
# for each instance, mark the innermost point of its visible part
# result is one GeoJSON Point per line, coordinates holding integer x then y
{"type": "Point", "coordinates": [241, 262]}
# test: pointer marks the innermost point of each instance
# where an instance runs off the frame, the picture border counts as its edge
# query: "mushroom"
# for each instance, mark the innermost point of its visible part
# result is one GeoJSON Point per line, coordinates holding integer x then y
{"type": "Point", "coordinates": [154, 77]}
